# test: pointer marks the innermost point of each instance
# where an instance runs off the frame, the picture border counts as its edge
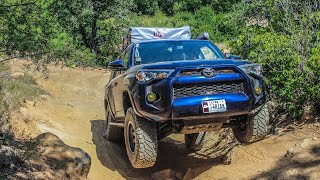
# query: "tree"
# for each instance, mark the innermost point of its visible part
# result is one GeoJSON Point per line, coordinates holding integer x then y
{"type": "Point", "coordinates": [287, 44]}
{"type": "Point", "coordinates": [69, 30]}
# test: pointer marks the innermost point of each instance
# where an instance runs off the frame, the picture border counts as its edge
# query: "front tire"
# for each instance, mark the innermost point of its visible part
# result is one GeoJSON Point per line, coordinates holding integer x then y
{"type": "Point", "coordinates": [255, 128]}
{"type": "Point", "coordinates": [141, 140]}
{"type": "Point", "coordinates": [194, 142]}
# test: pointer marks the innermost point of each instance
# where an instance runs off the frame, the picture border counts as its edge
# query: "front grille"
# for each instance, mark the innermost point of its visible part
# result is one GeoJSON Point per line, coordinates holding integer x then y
{"type": "Point", "coordinates": [207, 89]}
{"type": "Point", "coordinates": [198, 72]}
{"type": "Point", "coordinates": [190, 73]}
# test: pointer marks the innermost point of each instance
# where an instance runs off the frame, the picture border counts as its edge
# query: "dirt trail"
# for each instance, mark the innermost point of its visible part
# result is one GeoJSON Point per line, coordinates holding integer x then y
{"type": "Point", "coordinates": [74, 111]}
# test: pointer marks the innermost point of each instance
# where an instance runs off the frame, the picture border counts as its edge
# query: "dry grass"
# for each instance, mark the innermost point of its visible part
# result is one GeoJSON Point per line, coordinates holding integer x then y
{"type": "Point", "coordinates": [13, 91]}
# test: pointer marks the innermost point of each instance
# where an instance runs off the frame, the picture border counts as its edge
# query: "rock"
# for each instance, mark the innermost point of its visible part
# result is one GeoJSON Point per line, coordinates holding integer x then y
{"type": "Point", "coordinates": [4, 75]}
{"type": "Point", "coordinates": [26, 119]}
{"type": "Point", "coordinates": [70, 105]}
{"type": "Point", "coordinates": [43, 175]}
{"type": "Point", "coordinates": [278, 131]}
{"type": "Point", "coordinates": [9, 156]}
{"type": "Point", "coordinates": [16, 75]}
{"type": "Point", "coordinates": [167, 174]}
{"type": "Point", "coordinates": [29, 102]}
{"type": "Point", "coordinates": [179, 176]}
{"type": "Point", "coordinates": [188, 175]}
{"type": "Point", "coordinates": [227, 158]}
{"type": "Point", "coordinates": [306, 143]}
{"type": "Point", "coordinates": [73, 162]}
{"type": "Point", "coordinates": [164, 174]}
{"type": "Point", "coordinates": [308, 114]}
{"type": "Point", "coordinates": [290, 153]}
{"type": "Point", "coordinates": [44, 97]}
{"type": "Point", "coordinates": [218, 144]}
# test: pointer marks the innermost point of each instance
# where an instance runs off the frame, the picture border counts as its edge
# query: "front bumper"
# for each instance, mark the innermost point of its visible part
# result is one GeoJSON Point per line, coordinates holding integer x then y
{"type": "Point", "coordinates": [189, 108]}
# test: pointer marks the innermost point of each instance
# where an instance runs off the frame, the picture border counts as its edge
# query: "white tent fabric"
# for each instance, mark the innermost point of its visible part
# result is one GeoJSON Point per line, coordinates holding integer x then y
{"type": "Point", "coordinates": [139, 34]}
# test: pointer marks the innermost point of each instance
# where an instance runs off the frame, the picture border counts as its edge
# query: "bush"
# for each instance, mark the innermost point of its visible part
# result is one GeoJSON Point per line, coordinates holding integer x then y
{"type": "Point", "coordinates": [287, 44]}
{"type": "Point", "coordinates": [220, 27]}
{"type": "Point", "coordinates": [293, 87]}
{"type": "Point", "coordinates": [63, 47]}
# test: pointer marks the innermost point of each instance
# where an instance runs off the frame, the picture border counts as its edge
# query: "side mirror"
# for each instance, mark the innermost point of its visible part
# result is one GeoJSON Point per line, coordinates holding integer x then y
{"type": "Point", "coordinates": [116, 65]}
{"type": "Point", "coordinates": [227, 55]}
{"type": "Point", "coordinates": [230, 56]}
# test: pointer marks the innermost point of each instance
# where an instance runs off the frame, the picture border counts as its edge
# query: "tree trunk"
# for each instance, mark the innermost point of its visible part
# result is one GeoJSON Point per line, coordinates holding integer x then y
{"type": "Point", "coordinates": [84, 36]}
{"type": "Point", "coordinates": [94, 40]}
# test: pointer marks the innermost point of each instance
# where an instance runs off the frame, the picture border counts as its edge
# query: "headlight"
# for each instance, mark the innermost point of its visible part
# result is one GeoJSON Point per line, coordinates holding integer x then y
{"type": "Point", "coordinates": [148, 75]}
{"type": "Point", "coordinates": [252, 68]}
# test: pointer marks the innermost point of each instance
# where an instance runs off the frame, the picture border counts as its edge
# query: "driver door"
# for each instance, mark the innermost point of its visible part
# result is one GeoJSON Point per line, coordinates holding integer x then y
{"type": "Point", "coordinates": [115, 89]}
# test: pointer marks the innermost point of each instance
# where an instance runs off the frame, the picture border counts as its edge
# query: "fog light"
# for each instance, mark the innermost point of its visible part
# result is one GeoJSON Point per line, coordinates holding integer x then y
{"type": "Point", "coordinates": [151, 97]}
{"type": "Point", "coordinates": [258, 90]}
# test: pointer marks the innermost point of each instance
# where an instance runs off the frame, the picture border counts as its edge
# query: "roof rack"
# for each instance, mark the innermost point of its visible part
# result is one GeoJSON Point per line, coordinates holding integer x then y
{"type": "Point", "coordinates": [203, 36]}
{"type": "Point", "coordinates": [139, 34]}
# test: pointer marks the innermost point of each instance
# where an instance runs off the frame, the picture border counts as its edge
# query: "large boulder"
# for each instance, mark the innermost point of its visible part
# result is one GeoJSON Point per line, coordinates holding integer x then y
{"type": "Point", "coordinates": [69, 161]}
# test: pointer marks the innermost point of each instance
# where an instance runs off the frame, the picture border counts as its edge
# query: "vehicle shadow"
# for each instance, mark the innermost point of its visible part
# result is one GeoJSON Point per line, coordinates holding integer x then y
{"type": "Point", "coordinates": [172, 155]}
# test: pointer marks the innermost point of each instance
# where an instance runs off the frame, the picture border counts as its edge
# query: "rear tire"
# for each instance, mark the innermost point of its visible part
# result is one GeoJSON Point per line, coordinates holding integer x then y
{"type": "Point", "coordinates": [194, 142]}
{"type": "Point", "coordinates": [141, 140]}
{"type": "Point", "coordinates": [256, 127]}
{"type": "Point", "coordinates": [112, 133]}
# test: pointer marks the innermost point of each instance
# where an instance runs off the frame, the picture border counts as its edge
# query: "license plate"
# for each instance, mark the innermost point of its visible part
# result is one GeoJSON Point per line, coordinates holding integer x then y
{"type": "Point", "coordinates": [214, 106]}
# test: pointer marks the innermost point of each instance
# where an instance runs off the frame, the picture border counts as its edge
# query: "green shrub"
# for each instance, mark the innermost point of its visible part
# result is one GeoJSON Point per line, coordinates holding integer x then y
{"type": "Point", "coordinates": [293, 86]}
{"type": "Point", "coordinates": [63, 47]}
{"type": "Point", "coordinates": [220, 27]}
{"type": "Point", "coordinates": [287, 44]}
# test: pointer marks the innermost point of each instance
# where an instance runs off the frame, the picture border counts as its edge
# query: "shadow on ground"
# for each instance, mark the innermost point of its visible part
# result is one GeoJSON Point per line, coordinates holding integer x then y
{"type": "Point", "coordinates": [172, 155]}
{"type": "Point", "coordinates": [298, 163]}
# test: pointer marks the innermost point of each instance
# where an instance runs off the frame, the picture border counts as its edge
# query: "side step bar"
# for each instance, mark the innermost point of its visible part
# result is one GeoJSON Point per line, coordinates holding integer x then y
{"type": "Point", "coordinates": [116, 124]}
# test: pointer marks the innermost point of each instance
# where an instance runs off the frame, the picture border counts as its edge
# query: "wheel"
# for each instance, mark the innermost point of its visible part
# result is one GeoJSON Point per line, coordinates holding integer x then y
{"type": "Point", "coordinates": [255, 128]}
{"type": "Point", "coordinates": [194, 142]}
{"type": "Point", "coordinates": [112, 133]}
{"type": "Point", "coordinates": [141, 140]}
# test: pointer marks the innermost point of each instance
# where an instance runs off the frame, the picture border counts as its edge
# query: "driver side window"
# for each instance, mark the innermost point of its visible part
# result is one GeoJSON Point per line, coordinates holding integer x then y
{"type": "Point", "coordinates": [125, 56]}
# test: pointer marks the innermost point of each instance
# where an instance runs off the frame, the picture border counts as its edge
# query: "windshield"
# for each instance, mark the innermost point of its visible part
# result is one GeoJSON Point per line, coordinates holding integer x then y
{"type": "Point", "coordinates": [175, 51]}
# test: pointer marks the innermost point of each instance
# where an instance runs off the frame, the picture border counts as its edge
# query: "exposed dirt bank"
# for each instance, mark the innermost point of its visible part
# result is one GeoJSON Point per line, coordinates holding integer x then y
{"type": "Point", "coordinates": [74, 112]}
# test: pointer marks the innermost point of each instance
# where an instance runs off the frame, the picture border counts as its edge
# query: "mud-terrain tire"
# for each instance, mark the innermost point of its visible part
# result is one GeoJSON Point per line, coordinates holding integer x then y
{"type": "Point", "coordinates": [141, 140]}
{"type": "Point", "coordinates": [112, 133]}
{"type": "Point", "coordinates": [256, 127]}
{"type": "Point", "coordinates": [194, 142]}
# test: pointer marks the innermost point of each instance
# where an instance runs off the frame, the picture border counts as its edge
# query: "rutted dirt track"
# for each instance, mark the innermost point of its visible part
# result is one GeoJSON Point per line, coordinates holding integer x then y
{"type": "Point", "coordinates": [74, 111]}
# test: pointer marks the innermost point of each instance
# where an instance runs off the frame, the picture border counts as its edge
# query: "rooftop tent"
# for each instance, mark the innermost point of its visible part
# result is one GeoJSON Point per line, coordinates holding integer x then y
{"type": "Point", "coordinates": [138, 34]}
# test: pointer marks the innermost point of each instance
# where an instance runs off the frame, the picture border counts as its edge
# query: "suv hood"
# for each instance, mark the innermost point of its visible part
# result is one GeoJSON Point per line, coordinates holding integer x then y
{"type": "Point", "coordinates": [193, 63]}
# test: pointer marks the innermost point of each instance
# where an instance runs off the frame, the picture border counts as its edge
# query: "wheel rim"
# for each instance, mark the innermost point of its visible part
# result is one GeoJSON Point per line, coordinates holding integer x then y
{"type": "Point", "coordinates": [242, 127]}
{"type": "Point", "coordinates": [132, 137]}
